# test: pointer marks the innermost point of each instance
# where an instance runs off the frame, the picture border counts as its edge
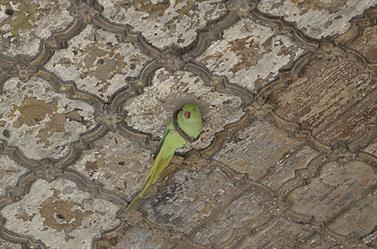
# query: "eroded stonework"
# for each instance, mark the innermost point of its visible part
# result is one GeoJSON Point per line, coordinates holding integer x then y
{"type": "Point", "coordinates": [145, 235]}
{"type": "Point", "coordinates": [317, 18]}
{"type": "Point", "coordinates": [39, 121]}
{"type": "Point", "coordinates": [117, 163]}
{"type": "Point", "coordinates": [60, 215]}
{"type": "Point", "coordinates": [273, 233]}
{"type": "Point", "coordinates": [6, 245]}
{"type": "Point", "coordinates": [341, 184]}
{"type": "Point", "coordinates": [98, 62]}
{"type": "Point", "coordinates": [23, 24]}
{"type": "Point", "coordinates": [344, 80]}
{"type": "Point", "coordinates": [165, 23]}
{"type": "Point", "coordinates": [287, 158]}
{"type": "Point", "coordinates": [182, 205]}
{"type": "Point", "coordinates": [251, 54]}
{"type": "Point", "coordinates": [258, 149]}
{"type": "Point", "coordinates": [9, 173]}
{"type": "Point", "coordinates": [366, 44]}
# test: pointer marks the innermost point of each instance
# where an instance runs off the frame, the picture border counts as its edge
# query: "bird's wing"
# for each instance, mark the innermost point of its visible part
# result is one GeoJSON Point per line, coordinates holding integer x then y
{"type": "Point", "coordinates": [158, 148]}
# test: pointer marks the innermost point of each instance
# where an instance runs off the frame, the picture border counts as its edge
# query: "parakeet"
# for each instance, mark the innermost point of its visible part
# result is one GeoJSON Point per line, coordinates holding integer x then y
{"type": "Point", "coordinates": [186, 126]}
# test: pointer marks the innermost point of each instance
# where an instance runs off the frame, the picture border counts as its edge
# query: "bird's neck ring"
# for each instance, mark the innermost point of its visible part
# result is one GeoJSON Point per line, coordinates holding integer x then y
{"type": "Point", "coordinates": [179, 130]}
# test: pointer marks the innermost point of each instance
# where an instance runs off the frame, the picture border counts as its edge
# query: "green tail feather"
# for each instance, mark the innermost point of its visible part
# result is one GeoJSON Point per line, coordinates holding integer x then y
{"type": "Point", "coordinates": [161, 162]}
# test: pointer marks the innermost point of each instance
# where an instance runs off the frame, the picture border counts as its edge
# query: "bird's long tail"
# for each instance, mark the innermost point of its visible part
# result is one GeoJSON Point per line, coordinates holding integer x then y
{"type": "Point", "coordinates": [160, 163]}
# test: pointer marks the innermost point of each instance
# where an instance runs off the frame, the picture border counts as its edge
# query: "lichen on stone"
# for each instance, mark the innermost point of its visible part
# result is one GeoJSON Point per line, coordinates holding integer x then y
{"type": "Point", "coordinates": [39, 121]}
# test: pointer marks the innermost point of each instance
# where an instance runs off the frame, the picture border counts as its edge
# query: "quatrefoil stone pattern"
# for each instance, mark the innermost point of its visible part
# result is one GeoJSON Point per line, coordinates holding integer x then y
{"type": "Point", "coordinates": [288, 153]}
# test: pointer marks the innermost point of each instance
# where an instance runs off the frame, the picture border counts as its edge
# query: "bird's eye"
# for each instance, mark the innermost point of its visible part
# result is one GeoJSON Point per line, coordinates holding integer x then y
{"type": "Point", "coordinates": [187, 114]}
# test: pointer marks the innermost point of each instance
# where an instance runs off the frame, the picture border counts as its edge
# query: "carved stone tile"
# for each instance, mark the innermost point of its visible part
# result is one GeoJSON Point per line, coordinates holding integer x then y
{"type": "Point", "coordinates": [146, 237]}
{"type": "Point", "coordinates": [60, 215]}
{"type": "Point", "coordinates": [284, 169]}
{"type": "Point", "coordinates": [150, 111]}
{"type": "Point", "coordinates": [9, 173]}
{"type": "Point", "coordinates": [258, 149]}
{"type": "Point", "coordinates": [280, 233]}
{"type": "Point", "coordinates": [319, 242]}
{"type": "Point", "coordinates": [372, 148]}
{"type": "Point", "coordinates": [317, 18]}
{"type": "Point", "coordinates": [354, 122]}
{"type": "Point", "coordinates": [117, 163]}
{"type": "Point", "coordinates": [6, 245]}
{"type": "Point", "coordinates": [23, 24]}
{"type": "Point", "coordinates": [251, 53]}
{"type": "Point", "coordinates": [39, 121]}
{"type": "Point", "coordinates": [373, 242]}
{"type": "Point", "coordinates": [165, 23]}
{"type": "Point", "coordinates": [182, 205]}
{"type": "Point", "coordinates": [97, 62]}
{"type": "Point", "coordinates": [336, 188]}
{"type": "Point", "coordinates": [287, 159]}
{"type": "Point", "coordinates": [360, 220]}
{"type": "Point", "coordinates": [226, 230]}
{"type": "Point", "coordinates": [366, 44]}
{"type": "Point", "coordinates": [316, 100]}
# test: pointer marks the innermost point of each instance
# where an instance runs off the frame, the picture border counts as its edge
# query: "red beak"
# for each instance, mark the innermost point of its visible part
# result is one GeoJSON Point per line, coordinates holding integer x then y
{"type": "Point", "coordinates": [187, 114]}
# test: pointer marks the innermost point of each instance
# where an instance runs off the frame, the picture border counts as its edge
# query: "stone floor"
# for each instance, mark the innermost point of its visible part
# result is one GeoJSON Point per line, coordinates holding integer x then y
{"type": "Point", "coordinates": [288, 156]}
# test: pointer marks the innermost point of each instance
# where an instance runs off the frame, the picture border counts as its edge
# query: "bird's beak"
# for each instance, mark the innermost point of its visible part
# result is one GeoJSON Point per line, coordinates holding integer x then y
{"type": "Point", "coordinates": [187, 114]}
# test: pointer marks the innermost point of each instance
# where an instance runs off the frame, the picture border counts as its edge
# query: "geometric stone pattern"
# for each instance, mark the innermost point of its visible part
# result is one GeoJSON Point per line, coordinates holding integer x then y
{"type": "Point", "coordinates": [288, 155]}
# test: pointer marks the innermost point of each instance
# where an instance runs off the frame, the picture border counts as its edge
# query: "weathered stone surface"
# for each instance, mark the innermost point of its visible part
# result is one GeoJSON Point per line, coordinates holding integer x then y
{"type": "Point", "coordinates": [97, 62]}
{"type": "Point", "coordinates": [354, 122]}
{"type": "Point", "coordinates": [319, 242]}
{"type": "Point", "coordinates": [39, 121]}
{"type": "Point", "coordinates": [151, 111]}
{"type": "Point", "coordinates": [366, 44]}
{"type": "Point", "coordinates": [146, 237]}
{"type": "Point", "coordinates": [317, 18]}
{"type": "Point", "coordinates": [284, 169]}
{"type": "Point", "coordinates": [226, 229]}
{"type": "Point", "coordinates": [251, 54]}
{"type": "Point", "coordinates": [165, 23]}
{"type": "Point", "coordinates": [9, 173]}
{"type": "Point", "coordinates": [279, 233]}
{"type": "Point", "coordinates": [335, 189]}
{"type": "Point", "coordinates": [60, 215]}
{"type": "Point", "coordinates": [343, 82]}
{"type": "Point", "coordinates": [183, 206]}
{"type": "Point", "coordinates": [287, 159]}
{"type": "Point", "coordinates": [117, 163]}
{"type": "Point", "coordinates": [259, 149]}
{"type": "Point", "coordinates": [360, 219]}
{"type": "Point", "coordinates": [6, 245]}
{"type": "Point", "coordinates": [23, 24]}
{"type": "Point", "coordinates": [372, 148]}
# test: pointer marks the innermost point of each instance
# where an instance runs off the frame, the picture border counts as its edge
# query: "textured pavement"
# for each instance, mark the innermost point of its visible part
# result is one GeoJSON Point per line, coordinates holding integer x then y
{"type": "Point", "coordinates": [288, 156]}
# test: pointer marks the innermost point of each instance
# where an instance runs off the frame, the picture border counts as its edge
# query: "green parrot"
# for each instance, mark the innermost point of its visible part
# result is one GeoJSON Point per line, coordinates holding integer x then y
{"type": "Point", "coordinates": [186, 126]}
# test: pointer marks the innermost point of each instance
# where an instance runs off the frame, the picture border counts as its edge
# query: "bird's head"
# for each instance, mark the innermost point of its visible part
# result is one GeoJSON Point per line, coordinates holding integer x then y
{"type": "Point", "coordinates": [191, 111]}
